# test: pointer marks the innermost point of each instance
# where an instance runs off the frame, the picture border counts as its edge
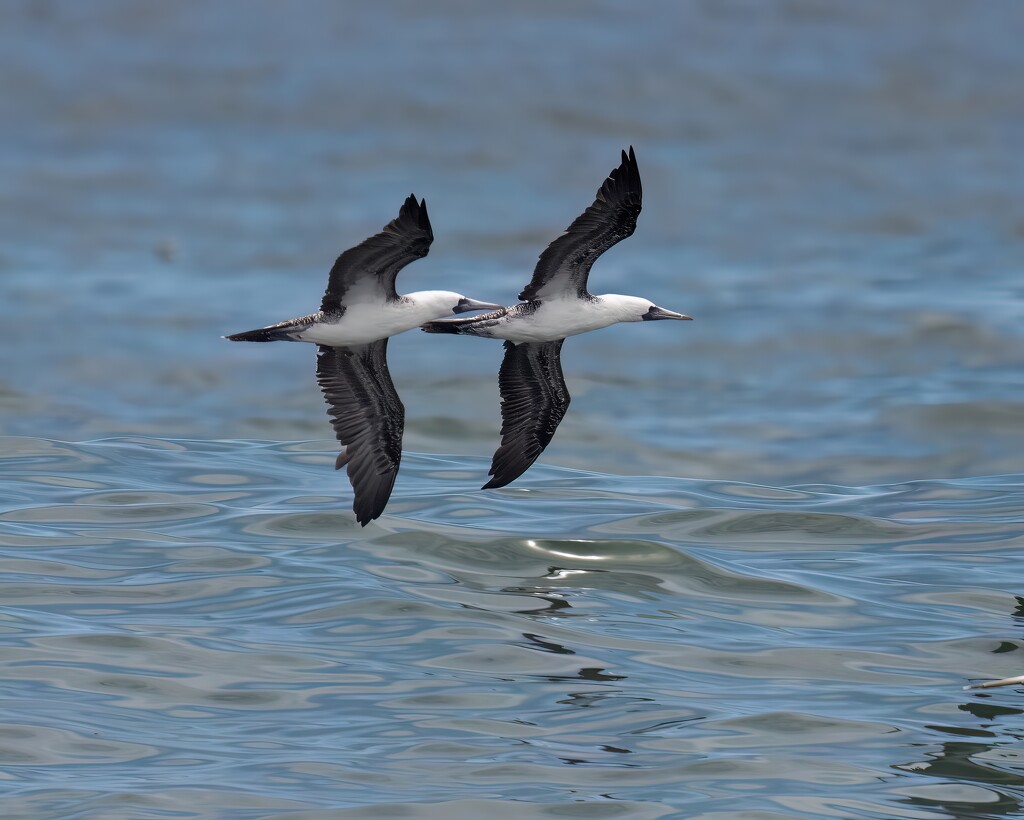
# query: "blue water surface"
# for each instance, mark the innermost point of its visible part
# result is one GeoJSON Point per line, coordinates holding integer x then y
{"type": "Point", "coordinates": [759, 561]}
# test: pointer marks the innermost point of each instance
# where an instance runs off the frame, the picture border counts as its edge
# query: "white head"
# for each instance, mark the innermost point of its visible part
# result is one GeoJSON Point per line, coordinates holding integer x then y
{"type": "Point", "coordinates": [635, 309]}
{"type": "Point", "coordinates": [436, 304]}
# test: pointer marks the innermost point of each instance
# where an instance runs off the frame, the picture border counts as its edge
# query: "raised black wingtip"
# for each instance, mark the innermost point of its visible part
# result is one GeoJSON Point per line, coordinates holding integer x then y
{"type": "Point", "coordinates": [425, 218]}
{"type": "Point", "coordinates": [412, 225]}
{"type": "Point", "coordinates": [624, 181]}
{"type": "Point", "coordinates": [629, 167]}
{"type": "Point", "coordinates": [414, 214]}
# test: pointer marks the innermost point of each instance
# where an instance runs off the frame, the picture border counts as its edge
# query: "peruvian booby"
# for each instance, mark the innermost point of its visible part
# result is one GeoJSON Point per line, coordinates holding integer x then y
{"type": "Point", "coordinates": [360, 310]}
{"type": "Point", "coordinates": [555, 305]}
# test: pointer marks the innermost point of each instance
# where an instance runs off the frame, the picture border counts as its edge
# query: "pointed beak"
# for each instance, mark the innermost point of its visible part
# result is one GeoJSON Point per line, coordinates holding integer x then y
{"type": "Point", "coordinates": [660, 313]}
{"type": "Point", "coordinates": [466, 304]}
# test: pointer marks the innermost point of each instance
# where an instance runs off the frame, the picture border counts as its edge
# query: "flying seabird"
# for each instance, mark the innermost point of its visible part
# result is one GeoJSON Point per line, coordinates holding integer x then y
{"type": "Point", "coordinates": [360, 310]}
{"type": "Point", "coordinates": [555, 305]}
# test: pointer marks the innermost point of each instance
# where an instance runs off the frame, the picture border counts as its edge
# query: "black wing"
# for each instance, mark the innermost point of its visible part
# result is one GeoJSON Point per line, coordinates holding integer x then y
{"type": "Point", "coordinates": [368, 419]}
{"type": "Point", "coordinates": [370, 268]}
{"type": "Point", "coordinates": [534, 399]}
{"type": "Point", "coordinates": [564, 266]}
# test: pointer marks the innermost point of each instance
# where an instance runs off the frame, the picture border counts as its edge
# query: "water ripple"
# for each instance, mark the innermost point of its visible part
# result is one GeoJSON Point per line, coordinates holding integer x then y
{"type": "Point", "coordinates": [183, 611]}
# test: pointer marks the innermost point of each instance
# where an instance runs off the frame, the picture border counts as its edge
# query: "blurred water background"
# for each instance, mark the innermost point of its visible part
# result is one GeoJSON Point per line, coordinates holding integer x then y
{"type": "Point", "coordinates": [763, 554]}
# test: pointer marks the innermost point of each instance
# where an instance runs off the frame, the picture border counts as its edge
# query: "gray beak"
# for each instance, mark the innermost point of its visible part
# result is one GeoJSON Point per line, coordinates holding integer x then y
{"type": "Point", "coordinates": [466, 304]}
{"type": "Point", "coordinates": [660, 313]}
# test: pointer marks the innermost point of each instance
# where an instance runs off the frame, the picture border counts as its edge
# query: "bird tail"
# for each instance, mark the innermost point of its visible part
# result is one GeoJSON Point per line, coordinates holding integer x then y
{"type": "Point", "coordinates": [459, 326]}
{"type": "Point", "coordinates": [281, 332]}
{"type": "Point", "coordinates": [263, 334]}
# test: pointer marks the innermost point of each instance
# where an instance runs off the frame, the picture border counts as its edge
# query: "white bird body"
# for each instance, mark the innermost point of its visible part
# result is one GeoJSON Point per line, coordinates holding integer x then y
{"type": "Point", "coordinates": [559, 317]}
{"type": "Point", "coordinates": [370, 321]}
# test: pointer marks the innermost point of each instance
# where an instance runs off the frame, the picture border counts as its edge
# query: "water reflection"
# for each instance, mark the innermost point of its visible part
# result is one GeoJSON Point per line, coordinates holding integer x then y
{"type": "Point", "coordinates": [968, 787]}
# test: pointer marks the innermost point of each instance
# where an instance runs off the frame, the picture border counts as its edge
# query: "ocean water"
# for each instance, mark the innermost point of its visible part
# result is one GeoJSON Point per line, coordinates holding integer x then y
{"type": "Point", "coordinates": [196, 628]}
{"type": "Point", "coordinates": [765, 551]}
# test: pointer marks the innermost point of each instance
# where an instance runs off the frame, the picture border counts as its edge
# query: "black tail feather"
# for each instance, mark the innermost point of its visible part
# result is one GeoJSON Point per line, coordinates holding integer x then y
{"type": "Point", "coordinates": [263, 334]}
{"type": "Point", "coordinates": [448, 326]}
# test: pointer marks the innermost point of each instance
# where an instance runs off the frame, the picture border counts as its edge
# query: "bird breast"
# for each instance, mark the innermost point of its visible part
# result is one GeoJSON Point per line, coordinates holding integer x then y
{"type": "Point", "coordinates": [365, 323]}
{"type": "Point", "coordinates": [555, 319]}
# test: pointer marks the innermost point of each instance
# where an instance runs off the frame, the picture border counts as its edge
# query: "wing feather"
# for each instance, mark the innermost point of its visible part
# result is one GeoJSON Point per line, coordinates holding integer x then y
{"type": "Point", "coordinates": [534, 399]}
{"type": "Point", "coordinates": [371, 267]}
{"type": "Point", "coordinates": [368, 420]}
{"type": "Point", "coordinates": [565, 264]}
